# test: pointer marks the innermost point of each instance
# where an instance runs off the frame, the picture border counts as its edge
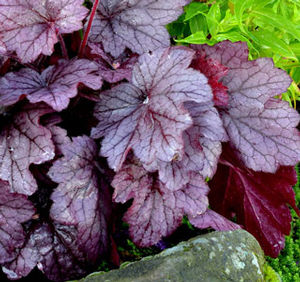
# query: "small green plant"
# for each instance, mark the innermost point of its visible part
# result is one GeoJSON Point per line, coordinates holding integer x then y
{"type": "Point", "coordinates": [270, 275]}
{"type": "Point", "coordinates": [131, 252]}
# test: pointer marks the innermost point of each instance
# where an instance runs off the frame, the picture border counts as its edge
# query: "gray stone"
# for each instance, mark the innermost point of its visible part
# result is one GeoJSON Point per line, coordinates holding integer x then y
{"type": "Point", "coordinates": [217, 256]}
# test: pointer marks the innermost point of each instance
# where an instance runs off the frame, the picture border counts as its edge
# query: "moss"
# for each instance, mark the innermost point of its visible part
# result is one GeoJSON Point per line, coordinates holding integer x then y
{"type": "Point", "coordinates": [270, 274]}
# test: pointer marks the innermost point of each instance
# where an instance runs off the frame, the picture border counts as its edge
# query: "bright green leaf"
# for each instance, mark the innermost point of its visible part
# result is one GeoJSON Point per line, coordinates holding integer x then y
{"type": "Point", "coordinates": [296, 48]}
{"type": "Point", "coordinates": [194, 9]}
{"type": "Point", "coordinates": [268, 17]}
{"type": "Point", "coordinates": [198, 23]}
{"type": "Point", "coordinates": [269, 40]}
{"type": "Point", "coordinates": [196, 38]}
{"type": "Point", "coordinates": [240, 7]}
{"type": "Point", "coordinates": [213, 18]}
{"type": "Point", "coordinates": [232, 36]}
{"type": "Point", "coordinates": [228, 22]}
{"type": "Point", "coordinates": [295, 73]}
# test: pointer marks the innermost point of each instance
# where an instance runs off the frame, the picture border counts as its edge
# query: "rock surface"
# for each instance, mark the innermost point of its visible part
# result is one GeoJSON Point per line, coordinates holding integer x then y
{"type": "Point", "coordinates": [217, 256]}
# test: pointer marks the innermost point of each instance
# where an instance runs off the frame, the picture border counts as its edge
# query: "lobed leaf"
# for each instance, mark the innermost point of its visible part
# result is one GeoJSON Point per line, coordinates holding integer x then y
{"type": "Point", "coordinates": [15, 209]}
{"type": "Point", "coordinates": [78, 199]}
{"type": "Point", "coordinates": [52, 248]}
{"type": "Point", "coordinates": [214, 220]}
{"type": "Point", "coordinates": [22, 143]}
{"type": "Point", "coordinates": [156, 211]}
{"type": "Point", "coordinates": [259, 127]}
{"type": "Point", "coordinates": [138, 25]}
{"type": "Point", "coordinates": [54, 86]}
{"type": "Point", "coordinates": [110, 69]}
{"type": "Point", "coordinates": [249, 83]}
{"type": "Point", "coordinates": [202, 148]}
{"type": "Point", "coordinates": [148, 116]}
{"type": "Point", "coordinates": [265, 139]}
{"type": "Point", "coordinates": [31, 28]}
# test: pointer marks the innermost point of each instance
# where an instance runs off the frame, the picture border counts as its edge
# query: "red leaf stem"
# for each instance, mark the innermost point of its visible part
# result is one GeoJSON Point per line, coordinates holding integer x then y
{"type": "Point", "coordinates": [86, 34]}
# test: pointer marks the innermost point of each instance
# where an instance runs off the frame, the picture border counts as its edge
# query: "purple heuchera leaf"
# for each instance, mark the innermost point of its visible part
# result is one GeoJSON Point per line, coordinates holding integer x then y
{"type": "Point", "coordinates": [22, 143]}
{"type": "Point", "coordinates": [110, 69]}
{"type": "Point", "coordinates": [52, 248]}
{"type": "Point", "coordinates": [156, 211]}
{"type": "Point", "coordinates": [59, 138]}
{"type": "Point", "coordinates": [3, 49]}
{"type": "Point", "coordinates": [258, 199]}
{"type": "Point", "coordinates": [31, 27]}
{"type": "Point", "coordinates": [54, 86]}
{"type": "Point", "coordinates": [148, 115]}
{"type": "Point", "coordinates": [138, 25]}
{"type": "Point", "coordinates": [3, 54]}
{"type": "Point", "coordinates": [265, 139]}
{"type": "Point", "coordinates": [78, 198]}
{"type": "Point", "coordinates": [214, 220]}
{"type": "Point", "coordinates": [261, 128]}
{"type": "Point", "coordinates": [202, 147]}
{"type": "Point", "coordinates": [249, 83]}
{"type": "Point", "coordinates": [14, 210]}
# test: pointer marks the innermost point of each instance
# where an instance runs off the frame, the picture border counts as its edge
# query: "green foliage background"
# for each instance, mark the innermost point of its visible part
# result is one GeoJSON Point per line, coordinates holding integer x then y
{"type": "Point", "coordinates": [271, 28]}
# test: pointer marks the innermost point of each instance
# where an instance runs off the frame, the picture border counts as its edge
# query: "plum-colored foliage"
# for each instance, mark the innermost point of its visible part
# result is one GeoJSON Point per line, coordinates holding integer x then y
{"type": "Point", "coordinates": [24, 142]}
{"type": "Point", "coordinates": [78, 198]}
{"type": "Point", "coordinates": [54, 86]}
{"type": "Point", "coordinates": [113, 69]}
{"type": "Point", "coordinates": [138, 25]}
{"type": "Point", "coordinates": [31, 27]}
{"type": "Point", "coordinates": [14, 210]}
{"type": "Point", "coordinates": [148, 115]}
{"type": "Point", "coordinates": [156, 211]}
{"type": "Point", "coordinates": [131, 118]}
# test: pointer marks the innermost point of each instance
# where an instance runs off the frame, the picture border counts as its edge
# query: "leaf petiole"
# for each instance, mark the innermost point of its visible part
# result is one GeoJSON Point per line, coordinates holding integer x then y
{"type": "Point", "coordinates": [86, 34]}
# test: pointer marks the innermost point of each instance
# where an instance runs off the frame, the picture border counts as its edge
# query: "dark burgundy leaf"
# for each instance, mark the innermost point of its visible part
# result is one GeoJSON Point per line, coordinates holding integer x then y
{"type": "Point", "coordinates": [78, 199]}
{"type": "Point", "coordinates": [156, 211]}
{"type": "Point", "coordinates": [202, 147]}
{"type": "Point", "coordinates": [214, 220]}
{"type": "Point", "coordinates": [22, 143]}
{"type": "Point", "coordinates": [110, 69]}
{"type": "Point", "coordinates": [52, 248]}
{"type": "Point", "coordinates": [148, 115]}
{"type": "Point", "coordinates": [14, 210]}
{"type": "Point", "coordinates": [258, 199]}
{"type": "Point", "coordinates": [138, 25]}
{"type": "Point", "coordinates": [31, 27]}
{"type": "Point", "coordinates": [261, 128]}
{"type": "Point", "coordinates": [55, 85]}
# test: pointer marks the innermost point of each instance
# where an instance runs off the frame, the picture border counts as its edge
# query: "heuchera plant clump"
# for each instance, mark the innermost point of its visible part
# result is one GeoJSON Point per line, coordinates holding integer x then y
{"type": "Point", "coordinates": [118, 115]}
